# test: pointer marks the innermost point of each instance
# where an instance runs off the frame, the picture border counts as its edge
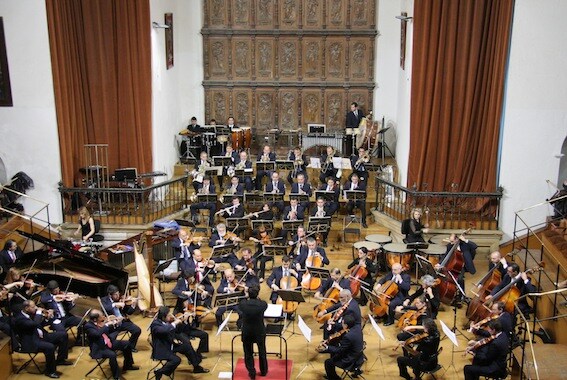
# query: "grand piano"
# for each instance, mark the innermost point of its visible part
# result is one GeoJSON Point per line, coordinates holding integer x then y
{"type": "Point", "coordinates": [58, 261]}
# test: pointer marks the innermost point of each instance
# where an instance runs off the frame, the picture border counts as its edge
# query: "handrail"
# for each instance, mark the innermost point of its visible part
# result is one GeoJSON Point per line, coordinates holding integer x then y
{"type": "Point", "coordinates": [439, 193]}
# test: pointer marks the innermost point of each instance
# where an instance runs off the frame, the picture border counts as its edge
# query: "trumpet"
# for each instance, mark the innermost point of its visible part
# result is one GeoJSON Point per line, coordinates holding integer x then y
{"type": "Point", "coordinates": [363, 159]}
{"type": "Point", "coordinates": [320, 213]}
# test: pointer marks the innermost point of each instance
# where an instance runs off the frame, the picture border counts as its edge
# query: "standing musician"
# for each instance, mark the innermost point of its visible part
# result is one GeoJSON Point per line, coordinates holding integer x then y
{"type": "Point", "coordinates": [61, 304]}
{"type": "Point", "coordinates": [266, 156]}
{"type": "Point", "coordinates": [348, 352]}
{"type": "Point", "coordinates": [102, 333]}
{"type": "Point", "coordinates": [183, 248]}
{"type": "Point", "coordinates": [496, 259]}
{"type": "Point", "coordinates": [302, 187]}
{"type": "Point", "coordinates": [327, 167]}
{"type": "Point", "coordinates": [28, 324]}
{"type": "Point", "coordinates": [242, 162]}
{"type": "Point", "coordinates": [165, 346]}
{"type": "Point", "coordinates": [278, 187]}
{"type": "Point", "coordinates": [200, 169]}
{"type": "Point", "coordinates": [299, 165]}
{"type": "Point", "coordinates": [498, 313]}
{"type": "Point", "coordinates": [358, 163]}
{"type": "Point", "coordinates": [346, 306]}
{"type": "Point", "coordinates": [413, 228]}
{"type": "Point", "coordinates": [430, 294]}
{"type": "Point", "coordinates": [275, 278]}
{"type": "Point", "coordinates": [222, 237]}
{"type": "Point", "coordinates": [403, 281]}
{"type": "Point", "coordinates": [356, 184]}
{"type": "Point", "coordinates": [354, 116]}
{"type": "Point", "coordinates": [262, 239]}
{"type": "Point", "coordinates": [489, 354]}
{"type": "Point", "coordinates": [297, 242]}
{"type": "Point", "coordinates": [121, 307]}
{"type": "Point", "coordinates": [205, 188]}
{"type": "Point", "coordinates": [229, 284]}
{"type": "Point", "coordinates": [312, 250]}
{"type": "Point", "coordinates": [523, 284]}
{"type": "Point", "coordinates": [335, 280]}
{"type": "Point", "coordinates": [363, 261]}
{"type": "Point", "coordinates": [335, 188]}
{"type": "Point", "coordinates": [254, 331]}
{"type": "Point", "coordinates": [424, 356]}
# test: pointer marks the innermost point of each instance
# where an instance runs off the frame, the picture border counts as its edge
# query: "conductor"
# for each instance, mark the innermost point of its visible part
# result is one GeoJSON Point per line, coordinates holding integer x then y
{"type": "Point", "coordinates": [253, 331]}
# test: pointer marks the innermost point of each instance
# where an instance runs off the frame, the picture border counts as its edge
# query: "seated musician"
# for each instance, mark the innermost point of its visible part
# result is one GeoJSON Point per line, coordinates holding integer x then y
{"type": "Point", "coordinates": [203, 268]}
{"type": "Point", "coordinates": [246, 261]}
{"type": "Point", "coordinates": [413, 228]}
{"type": "Point", "coordinates": [54, 299]}
{"type": "Point", "coordinates": [327, 167]}
{"type": "Point", "coordinates": [5, 318]}
{"type": "Point", "coordinates": [522, 282]}
{"type": "Point", "coordinates": [356, 184]}
{"type": "Point", "coordinates": [424, 356]}
{"type": "Point", "coordinates": [235, 188]}
{"type": "Point", "coordinates": [297, 242]}
{"type": "Point", "coordinates": [242, 162]}
{"type": "Point", "coordinates": [236, 210]}
{"type": "Point", "coordinates": [266, 156]}
{"type": "Point", "coordinates": [358, 163]}
{"type": "Point", "coordinates": [262, 238]}
{"type": "Point", "coordinates": [276, 187]}
{"type": "Point", "coordinates": [348, 351]}
{"type": "Point", "coordinates": [19, 289]}
{"type": "Point", "coordinates": [294, 211]}
{"type": "Point", "coordinates": [102, 333]}
{"type": "Point", "coordinates": [200, 167]}
{"type": "Point", "coordinates": [302, 187]}
{"type": "Point", "coordinates": [165, 346]}
{"type": "Point", "coordinates": [276, 276]}
{"type": "Point", "coordinates": [403, 281]}
{"type": "Point", "coordinates": [205, 188]}
{"type": "Point", "coordinates": [429, 291]}
{"type": "Point", "coordinates": [228, 284]}
{"type": "Point", "coordinates": [222, 237]}
{"type": "Point", "coordinates": [183, 248]}
{"type": "Point", "coordinates": [193, 126]}
{"type": "Point", "coordinates": [228, 152]}
{"type": "Point", "coordinates": [497, 312]}
{"type": "Point", "coordinates": [29, 326]}
{"type": "Point", "coordinates": [335, 280]}
{"type": "Point", "coordinates": [346, 306]}
{"type": "Point", "coordinates": [412, 318]}
{"type": "Point", "coordinates": [265, 213]}
{"type": "Point", "coordinates": [119, 306]}
{"type": "Point", "coordinates": [489, 354]}
{"type": "Point", "coordinates": [230, 123]}
{"type": "Point", "coordinates": [299, 165]}
{"type": "Point", "coordinates": [331, 185]}
{"type": "Point", "coordinates": [365, 262]}
{"type": "Point", "coordinates": [322, 210]}
{"type": "Point", "coordinates": [310, 252]}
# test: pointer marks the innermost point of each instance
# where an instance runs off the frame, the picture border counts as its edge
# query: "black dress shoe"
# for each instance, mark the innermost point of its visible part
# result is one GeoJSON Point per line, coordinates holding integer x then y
{"type": "Point", "coordinates": [364, 225]}
{"type": "Point", "coordinates": [53, 375]}
{"type": "Point", "coordinates": [130, 368]}
{"type": "Point", "coordinates": [134, 350]}
{"type": "Point", "coordinates": [252, 376]}
{"type": "Point", "coordinates": [388, 323]}
{"type": "Point", "coordinates": [157, 375]}
{"type": "Point", "coordinates": [64, 362]}
{"type": "Point", "coordinates": [200, 369]}
{"type": "Point", "coordinates": [263, 373]}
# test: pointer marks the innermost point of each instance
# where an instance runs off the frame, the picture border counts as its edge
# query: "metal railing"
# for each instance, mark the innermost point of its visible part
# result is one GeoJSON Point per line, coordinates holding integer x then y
{"type": "Point", "coordinates": [446, 210]}
{"type": "Point", "coordinates": [126, 205]}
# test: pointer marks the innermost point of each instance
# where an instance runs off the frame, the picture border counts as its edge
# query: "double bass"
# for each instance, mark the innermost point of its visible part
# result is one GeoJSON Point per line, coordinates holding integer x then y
{"type": "Point", "coordinates": [451, 267]}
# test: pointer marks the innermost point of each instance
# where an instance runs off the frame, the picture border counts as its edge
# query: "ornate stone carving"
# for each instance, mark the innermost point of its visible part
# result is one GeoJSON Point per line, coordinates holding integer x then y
{"type": "Point", "coordinates": [289, 11]}
{"type": "Point", "coordinates": [242, 108]}
{"type": "Point", "coordinates": [358, 12]}
{"type": "Point", "coordinates": [334, 113]}
{"type": "Point", "coordinates": [217, 12]}
{"type": "Point", "coordinates": [288, 60]}
{"type": "Point", "coordinates": [241, 62]}
{"type": "Point", "coordinates": [265, 54]}
{"type": "Point", "coordinates": [311, 108]}
{"type": "Point", "coordinates": [288, 115]}
{"type": "Point", "coordinates": [358, 59]}
{"type": "Point", "coordinates": [220, 106]}
{"type": "Point", "coordinates": [336, 11]}
{"type": "Point", "coordinates": [312, 59]}
{"type": "Point", "coordinates": [241, 11]}
{"type": "Point", "coordinates": [218, 57]}
{"type": "Point", "coordinates": [335, 59]}
{"type": "Point", "coordinates": [265, 108]}
{"type": "Point", "coordinates": [265, 11]}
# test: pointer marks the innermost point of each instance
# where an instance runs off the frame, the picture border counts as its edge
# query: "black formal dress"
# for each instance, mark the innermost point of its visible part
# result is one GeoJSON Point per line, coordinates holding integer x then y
{"type": "Point", "coordinates": [254, 331]}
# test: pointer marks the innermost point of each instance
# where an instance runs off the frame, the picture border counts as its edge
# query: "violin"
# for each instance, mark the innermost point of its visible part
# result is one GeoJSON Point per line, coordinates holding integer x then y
{"type": "Point", "coordinates": [337, 315]}
{"type": "Point", "coordinates": [474, 345]}
{"type": "Point", "coordinates": [411, 317]}
{"type": "Point", "coordinates": [66, 297]}
{"type": "Point", "coordinates": [265, 240]}
{"type": "Point", "coordinates": [324, 344]}
{"type": "Point", "coordinates": [408, 343]}
{"type": "Point", "coordinates": [479, 324]}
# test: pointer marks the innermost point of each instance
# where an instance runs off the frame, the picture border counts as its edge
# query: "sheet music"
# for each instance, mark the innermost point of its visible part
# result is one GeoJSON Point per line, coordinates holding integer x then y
{"type": "Point", "coordinates": [338, 162]}
{"type": "Point", "coordinates": [305, 330]}
{"type": "Point", "coordinates": [315, 162]}
{"type": "Point", "coordinates": [450, 334]}
{"type": "Point", "coordinates": [273, 311]}
{"type": "Point", "coordinates": [376, 327]}
{"type": "Point", "coordinates": [223, 324]}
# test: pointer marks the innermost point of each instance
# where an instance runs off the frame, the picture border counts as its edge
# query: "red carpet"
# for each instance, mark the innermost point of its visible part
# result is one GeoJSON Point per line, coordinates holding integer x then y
{"type": "Point", "coordinates": [276, 370]}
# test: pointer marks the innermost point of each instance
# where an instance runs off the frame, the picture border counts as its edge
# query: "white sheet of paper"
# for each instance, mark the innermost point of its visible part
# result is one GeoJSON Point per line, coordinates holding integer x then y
{"type": "Point", "coordinates": [305, 330]}
{"type": "Point", "coordinates": [273, 311]}
{"type": "Point", "coordinates": [315, 162]}
{"type": "Point", "coordinates": [338, 162]}
{"type": "Point", "coordinates": [223, 324]}
{"type": "Point", "coordinates": [450, 334]}
{"type": "Point", "coordinates": [376, 327]}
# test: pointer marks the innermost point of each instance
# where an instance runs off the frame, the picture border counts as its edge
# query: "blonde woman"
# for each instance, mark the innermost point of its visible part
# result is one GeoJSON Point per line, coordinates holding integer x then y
{"type": "Point", "coordinates": [86, 227]}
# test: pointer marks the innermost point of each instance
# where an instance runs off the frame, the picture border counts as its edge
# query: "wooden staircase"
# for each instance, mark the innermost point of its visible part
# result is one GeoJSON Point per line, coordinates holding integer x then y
{"type": "Point", "coordinates": [9, 228]}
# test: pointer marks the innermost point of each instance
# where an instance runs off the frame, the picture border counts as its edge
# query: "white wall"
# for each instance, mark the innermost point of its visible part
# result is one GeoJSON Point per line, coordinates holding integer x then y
{"type": "Point", "coordinates": [535, 122]}
{"type": "Point", "coordinates": [177, 93]}
{"type": "Point", "coordinates": [29, 128]}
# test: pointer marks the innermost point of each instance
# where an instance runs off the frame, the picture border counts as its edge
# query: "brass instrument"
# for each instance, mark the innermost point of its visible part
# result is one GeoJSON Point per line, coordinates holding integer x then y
{"type": "Point", "coordinates": [265, 158]}
{"type": "Point", "coordinates": [199, 174]}
{"type": "Point", "coordinates": [320, 213]}
{"type": "Point", "coordinates": [228, 192]}
{"type": "Point", "coordinates": [362, 159]}
{"type": "Point", "coordinates": [328, 162]}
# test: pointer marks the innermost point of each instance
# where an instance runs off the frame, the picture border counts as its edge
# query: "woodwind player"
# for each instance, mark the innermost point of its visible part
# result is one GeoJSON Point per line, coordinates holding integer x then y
{"type": "Point", "coordinates": [265, 156]}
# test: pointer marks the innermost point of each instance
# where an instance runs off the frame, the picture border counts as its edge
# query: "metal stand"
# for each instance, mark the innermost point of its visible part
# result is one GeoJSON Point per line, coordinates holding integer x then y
{"type": "Point", "coordinates": [307, 361]}
{"type": "Point", "coordinates": [96, 163]}
{"type": "Point", "coordinates": [219, 338]}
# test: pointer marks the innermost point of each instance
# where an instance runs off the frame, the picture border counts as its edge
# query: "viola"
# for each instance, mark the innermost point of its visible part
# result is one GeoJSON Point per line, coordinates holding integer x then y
{"type": "Point", "coordinates": [408, 343]}
{"type": "Point", "coordinates": [475, 345]}
{"type": "Point", "coordinates": [411, 317]}
{"type": "Point", "coordinates": [332, 338]}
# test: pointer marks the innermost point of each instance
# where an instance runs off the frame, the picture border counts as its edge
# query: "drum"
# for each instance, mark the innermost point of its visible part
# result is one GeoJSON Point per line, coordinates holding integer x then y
{"type": "Point", "coordinates": [222, 139]}
{"type": "Point", "coordinates": [372, 248]}
{"type": "Point", "coordinates": [433, 253]}
{"type": "Point", "coordinates": [398, 253]}
{"type": "Point", "coordinates": [439, 239]}
{"type": "Point", "coordinates": [380, 239]}
{"type": "Point", "coordinates": [367, 137]}
{"type": "Point", "coordinates": [237, 138]}
{"type": "Point", "coordinates": [247, 137]}
{"type": "Point", "coordinates": [209, 138]}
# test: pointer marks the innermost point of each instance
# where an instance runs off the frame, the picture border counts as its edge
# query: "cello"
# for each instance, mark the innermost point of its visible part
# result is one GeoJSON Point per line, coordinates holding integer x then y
{"type": "Point", "coordinates": [307, 281]}
{"type": "Point", "coordinates": [330, 298]}
{"type": "Point", "coordinates": [357, 274]}
{"type": "Point", "coordinates": [288, 283]}
{"type": "Point", "coordinates": [388, 290]}
{"type": "Point", "coordinates": [451, 267]}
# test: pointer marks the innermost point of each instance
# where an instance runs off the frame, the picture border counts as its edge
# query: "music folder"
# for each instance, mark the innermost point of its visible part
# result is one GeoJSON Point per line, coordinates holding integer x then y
{"type": "Point", "coordinates": [328, 196]}
{"type": "Point", "coordinates": [228, 299]}
{"type": "Point", "coordinates": [266, 166]}
{"type": "Point", "coordinates": [321, 273]}
{"type": "Point", "coordinates": [222, 250]}
{"type": "Point", "coordinates": [355, 195]}
{"type": "Point", "coordinates": [222, 161]}
{"type": "Point", "coordinates": [284, 165]}
{"type": "Point", "coordinates": [206, 198]}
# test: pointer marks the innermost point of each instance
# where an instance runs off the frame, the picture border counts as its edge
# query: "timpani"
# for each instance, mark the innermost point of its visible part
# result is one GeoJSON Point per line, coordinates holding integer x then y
{"type": "Point", "coordinates": [433, 253]}
{"type": "Point", "coordinates": [439, 239]}
{"type": "Point", "coordinates": [398, 253]}
{"type": "Point", "coordinates": [372, 248]}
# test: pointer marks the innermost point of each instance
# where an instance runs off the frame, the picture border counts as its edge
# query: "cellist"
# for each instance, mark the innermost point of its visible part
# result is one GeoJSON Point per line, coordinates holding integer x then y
{"type": "Point", "coordinates": [335, 280]}
{"type": "Point", "coordinates": [403, 281]}
{"type": "Point", "coordinates": [312, 250]}
{"type": "Point", "coordinates": [496, 259]}
{"type": "Point", "coordinates": [363, 262]}
{"type": "Point", "coordinates": [523, 284]}
{"type": "Point", "coordinates": [278, 273]}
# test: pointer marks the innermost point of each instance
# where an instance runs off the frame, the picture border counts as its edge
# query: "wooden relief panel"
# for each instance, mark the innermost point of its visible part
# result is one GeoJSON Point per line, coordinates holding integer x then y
{"type": "Point", "coordinates": [288, 58]}
{"type": "Point", "coordinates": [335, 58]}
{"type": "Point", "coordinates": [336, 14]}
{"type": "Point", "coordinates": [335, 110]}
{"type": "Point", "coordinates": [360, 51]}
{"type": "Point", "coordinates": [218, 57]}
{"type": "Point", "coordinates": [312, 58]}
{"type": "Point", "coordinates": [265, 58]}
{"type": "Point", "coordinates": [311, 107]}
{"type": "Point", "coordinates": [288, 106]}
{"type": "Point", "coordinates": [241, 14]}
{"type": "Point", "coordinates": [242, 106]}
{"type": "Point", "coordinates": [265, 109]}
{"type": "Point", "coordinates": [360, 97]}
{"type": "Point", "coordinates": [220, 105]}
{"type": "Point", "coordinates": [361, 14]}
{"type": "Point", "coordinates": [289, 14]}
{"type": "Point", "coordinates": [218, 13]}
{"type": "Point", "coordinates": [265, 14]}
{"type": "Point", "coordinates": [241, 58]}
{"type": "Point", "coordinates": [312, 14]}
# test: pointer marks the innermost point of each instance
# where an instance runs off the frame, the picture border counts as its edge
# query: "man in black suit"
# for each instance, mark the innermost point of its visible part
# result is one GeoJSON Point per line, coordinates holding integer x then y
{"type": "Point", "coordinates": [183, 251]}
{"type": "Point", "coordinates": [294, 211]}
{"type": "Point", "coordinates": [356, 184]}
{"type": "Point", "coordinates": [222, 237]}
{"type": "Point", "coordinates": [227, 285]}
{"type": "Point", "coordinates": [490, 359]}
{"type": "Point", "coordinates": [327, 167]}
{"type": "Point", "coordinates": [236, 210]}
{"type": "Point", "coordinates": [346, 306]}
{"type": "Point", "coordinates": [349, 350]}
{"type": "Point", "coordinates": [266, 156]}
{"type": "Point", "coordinates": [254, 331]}
{"type": "Point", "coordinates": [521, 281]}
{"type": "Point", "coordinates": [497, 312]}
{"type": "Point", "coordinates": [61, 308]}
{"type": "Point", "coordinates": [193, 126]}
{"type": "Point", "coordinates": [311, 250]}
{"type": "Point", "coordinates": [354, 116]}
{"type": "Point", "coordinates": [186, 293]}
{"type": "Point", "coordinates": [335, 280]}
{"type": "Point", "coordinates": [358, 163]}
{"type": "Point", "coordinates": [300, 164]}
{"type": "Point", "coordinates": [103, 343]}
{"type": "Point", "coordinates": [242, 162]}
{"type": "Point", "coordinates": [301, 187]}
{"type": "Point", "coordinates": [403, 281]}
{"type": "Point", "coordinates": [228, 152]}
{"type": "Point", "coordinates": [332, 186]}
{"type": "Point", "coordinates": [114, 305]}
{"type": "Point", "coordinates": [496, 260]}
{"type": "Point", "coordinates": [9, 256]}
{"type": "Point", "coordinates": [468, 248]}
{"type": "Point", "coordinates": [205, 188]}
{"type": "Point", "coordinates": [275, 278]}
{"type": "Point", "coordinates": [234, 188]}
{"type": "Point", "coordinates": [277, 187]}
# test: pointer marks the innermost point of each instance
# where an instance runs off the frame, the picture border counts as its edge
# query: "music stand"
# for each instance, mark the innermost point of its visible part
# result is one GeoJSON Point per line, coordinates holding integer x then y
{"type": "Point", "coordinates": [222, 161]}
{"type": "Point", "coordinates": [275, 250]}
{"type": "Point", "coordinates": [321, 225]}
{"type": "Point", "coordinates": [415, 247]}
{"type": "Point", "coordinates": [243, 173]}
{"type": "Point", "coordinates": [321, 273]}
{"type": "Point", "coordinates": [253, 199]}
{"type": "Point", "coordinates": [225, 300]}
{"type": "Point", "coordinates": [292, 225]}
{"type": "Point", "coordinates": [354, 196]}
{"type": "Point", "coordinates": [207, 198]}
{"type": "Point", "coordinates": [284, 165]}
{"type": "Point", "coordinates": [222, 250]}
{"type": "Point", "coordinates": [328, 196]}
{"type": "Point", "coordinates": [273, 197]}
{"type": "Point", "coordinates": [425, 266]}
{"type": "Point", "coordinates": [269, 166]}
{"type": "Point", "coordinates": [236, 223]}
{"type": "Point", "coordinates": [301, 198]}
{"type": "Point", "coordinates": [292, 296]}
{"type": "Point", "coordinates": [385, 146]}
{"type": "Point", "coordinates": [267, 224]}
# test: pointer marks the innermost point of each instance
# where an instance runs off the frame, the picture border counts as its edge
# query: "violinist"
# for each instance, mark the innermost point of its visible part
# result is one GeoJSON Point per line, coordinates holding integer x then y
{"type": "Point", "coordinates": [403, 281]}
{"type": "Point", "coordinates": [4, 314]}
{"type": "Point", "coordinates": [302, 187]}
{"type": "Point", "coordinates": [121, 307]}
{"type": "Point", "coordinates": [276, 186]}
{"type": "Point", "coordinates": [265, 156]}
{"type": "Point", "coordinates": [424, 356]}
{"type": "Point", "coordinates": [497, 312]}
{"type": "Point", "coordinates": [413, 228]}
{"type": "Point", "coordinates": [166, 343]}
{"type": "Point", "coordinates": [203, 268]}
{"type": "Point", "coordinates": [430, 294]}
{"type": "Point", "coordinates": [19, 289]}
{"type": "Point", "coordinates": [297, 242]}
{"type": "Point", "coordinates": [356, 184]}
{"type": "Point", "coordinates": [332, 186]}
{"type": "Point", "coordinates": [242, 162]}
{"type": "Point", "coordinates": [183, 248]}
{"type": "Point", "coordinates": [489, 354]}
{"type": "Point", "coordinates": [246, 262]}
{"type": "Point", "coordinates": [229, 284]}
{"type": "Point", "coordinates": [285, 270]}
{"type": "Point", "coordinates": [205, 188]}
{"type": "Point", "coordinates": [260, 258]}
{"type": "Point", "coordinates": [327, 167]}
{"type": "Point", "coordinates": [224, 237]}
{"type": "Point", "coordinates": [103, 343]}
{"type": "Point", "coordinates": [348, 352]}
{"type": "Point", "coordinates": [335, 280]}
{"type": "Point", "coordinates": [191, 291]}
{"type": "Point", "coordinates": [346, 306]}
{"type": "Point", "coordinates": [61, 303]}
{"type": "Point", "coordinates": [307, 253]}
{"type": "Point", "coordinates": [522, 282]}
{"type": "Point", "coordinates": [363, 261]}
{"type": "Point", "coordinates": [29, 325]}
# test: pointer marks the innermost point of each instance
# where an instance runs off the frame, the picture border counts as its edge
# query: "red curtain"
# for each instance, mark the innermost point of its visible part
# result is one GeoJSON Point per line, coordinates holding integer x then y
{"type": "Point", "coordinates": [101, 58]}
{"type": "Point", "coordinates": [460, 52]}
